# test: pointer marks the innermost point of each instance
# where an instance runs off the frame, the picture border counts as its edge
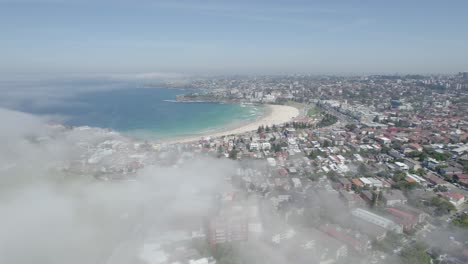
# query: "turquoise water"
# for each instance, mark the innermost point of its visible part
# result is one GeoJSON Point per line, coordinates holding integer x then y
{"type": "Point", "coordinates": [147, 113]}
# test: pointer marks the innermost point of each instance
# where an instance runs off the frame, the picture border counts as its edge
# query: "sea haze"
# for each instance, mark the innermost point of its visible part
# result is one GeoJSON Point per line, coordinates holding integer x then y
{"type": "Point", "coordinates": [147, 113]}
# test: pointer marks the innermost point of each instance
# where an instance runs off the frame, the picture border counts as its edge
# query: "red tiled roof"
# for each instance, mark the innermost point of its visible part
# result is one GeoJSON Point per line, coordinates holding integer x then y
{"type": "Point", "coordinates": [408, 179]}
{"type": "Point", "coordinates": [461, 176]}
{"type": "Point", "coordinates": [340, 236]}
{"type": "Point", "coordinates": [357, 182]}
{"type": "Point", "coordinates": [283, 172]}
{"type": "Point", "coordinates": [400, 213]}
{"type": "Point", "coordinates": [455, 196]}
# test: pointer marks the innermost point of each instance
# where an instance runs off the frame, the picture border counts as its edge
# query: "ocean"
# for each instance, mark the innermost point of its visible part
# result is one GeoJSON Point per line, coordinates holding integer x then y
{"type": "Point", "coordinates": [144, 113]}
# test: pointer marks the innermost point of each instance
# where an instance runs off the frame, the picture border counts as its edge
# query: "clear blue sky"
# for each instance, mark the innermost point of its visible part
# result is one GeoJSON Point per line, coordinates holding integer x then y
{"type": "Point", "coordinates": [237, 36]}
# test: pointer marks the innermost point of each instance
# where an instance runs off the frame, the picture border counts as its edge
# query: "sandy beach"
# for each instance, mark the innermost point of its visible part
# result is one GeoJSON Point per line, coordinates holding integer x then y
{"type": "Point", "coordinates": [276, 114]}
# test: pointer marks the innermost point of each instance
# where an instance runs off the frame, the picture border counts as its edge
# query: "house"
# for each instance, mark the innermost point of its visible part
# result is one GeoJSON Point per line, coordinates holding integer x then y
{"type": "Point", "coordinates": [375, 182]}
{"type": "Point", "coordinates": [460, 150]}
{"type": "Point", "coordinates": [351, 200]}
{"type": "Point", "coordinates": [265, 146]}
{"type": "Point", "coordinates": [271, 162]}
{"type": "Point", "coordinates": [296, 182]}
{"type": "Point", "coordinates": [367, 196]}
{"type": "Point", "coordinates": [357, 182]}
{"type": "Point", "coordinates": [431, 163]}
{"type": "Point", "coordinates": [434, 179]}
{"type": "Point", "coordinates": [415, 147]}
{"type": "Point", "coordinates": [402, 166]}
{"type": "Point", "coordinates": [384, 140]}
{"type": "Point", "coordinates": [461, 178]}
{"type": "Point", "coordinates": [412, 164]}
{"type": "Point", "coordinates": [395, 154]}
{"type": "Point", "coordinates": [455, 198]}
{"type": "Point", "coordinates": [451, 171]}
{"type": "Point", "coordinates": [366, 181]}
{"type": "Point", "coordinates": [343, 183]}
{"type": "Point", "coordinates": [394, 197]}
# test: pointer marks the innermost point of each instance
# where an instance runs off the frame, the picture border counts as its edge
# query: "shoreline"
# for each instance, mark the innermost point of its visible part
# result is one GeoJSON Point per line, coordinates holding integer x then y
{"type": "Point", "coordinates": [275, 115]}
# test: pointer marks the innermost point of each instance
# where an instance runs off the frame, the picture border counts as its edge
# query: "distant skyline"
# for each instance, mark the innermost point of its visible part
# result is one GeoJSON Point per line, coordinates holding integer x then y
{"type": "Point", "coordinates": [232, 37]}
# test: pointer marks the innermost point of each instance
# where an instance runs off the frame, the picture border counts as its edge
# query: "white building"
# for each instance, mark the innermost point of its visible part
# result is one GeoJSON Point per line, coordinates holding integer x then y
{"type": "Point", "coordinates": [377, 220]}
{"type": "Point", "coordinates": [266, 146]}
{"type": "Point", "coordinates": [253, 146]}
{"type": "Point", "coordinates": [402, 166]}
{"type": "Point", "coordinates": [271, 162]}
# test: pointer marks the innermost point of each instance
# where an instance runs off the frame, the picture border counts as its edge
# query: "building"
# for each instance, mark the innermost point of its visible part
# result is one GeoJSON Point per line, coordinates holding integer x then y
{"type": "Point", "coordinates": [343, 183]}
{"type": "Point", "coordinates": [351, 199]}
{"type": "Point", "coordinates": [367, 196]}
{"type": "Point", "coordinates": [266, 146]}
{"type": "Point", "coordinates": [402, 166]}
{"type": "Point", "coordinates": [271, 162]}
{"type": "Point", "coordinates": [354, 241]}
{"type": "Point", "coordinates": [451, 171]}
{"type": "Point", "coordinates": [384, 140]}
{"type": "Point", "coordinates": [357, 182]}
{"type": "Point", "coordinates": [434, 179]}
{"type": "Point", "coordinates": [375, 183]}
{"type": "Point", "coordinates": [223, 229]}
{"type": "Point", "coordinates": [366, 181]}
{"type": "Point", "coordinates": [377, 220]}
{"type": "Point", "coordinates": [253, 146]}
{"type": "Point", "coordinates": [461, 178]}
{"type": "Point", "coordinates": [406, 219]}
{"type": "Point", "coordinates": [394, 197]}
{"type": "Point", "coordinates": [455, 198]}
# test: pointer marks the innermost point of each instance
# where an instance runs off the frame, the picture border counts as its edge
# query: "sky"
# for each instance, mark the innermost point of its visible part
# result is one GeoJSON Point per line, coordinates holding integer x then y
{"type": "Point", "coordinates": [232, 37]}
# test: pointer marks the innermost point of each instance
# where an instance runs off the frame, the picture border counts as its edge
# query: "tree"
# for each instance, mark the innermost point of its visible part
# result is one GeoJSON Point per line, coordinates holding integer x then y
{"type": "Point", "coordinates": [461, 221]}
{"type": "Point", "coordinates": [442, 206]}
{"type": "Point", "coordinates": [376, 119]}
{"type": "Point", "coordinates": [351, 127]}
{"type": "Point", "coordinates": [260, 129]}
{"type": "Point", "coordinates": [362, 169]}
{"type": "Point", "coordinates": [399, 176]}
{"type": "Point", "coordinates": [332, 175]}
{"type": "Point", "coordinates": [415, 254]}
{"type": "Point", "coordinates": [441, 188]}
{"type": "Point", "coordinates": [406, 186]}
{"type": "Point", "coordinates": [220, 151]}
{"type": "Point", "coordinates": [420, 172]}
{"type": "Point", "coordinates": [385, 149]}
{"type": "Point", "coordinates": [233, 154]}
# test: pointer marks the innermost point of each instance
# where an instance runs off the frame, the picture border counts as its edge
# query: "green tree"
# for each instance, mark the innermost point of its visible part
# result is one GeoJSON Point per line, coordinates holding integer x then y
{"type": "Point", "coordinates": [442, 206]}
{"type": "Point", "coordinates": [399, 176]}
{"type": "Point", "coordinates": [351, 127]}
{"type": "Point", "coordinates": [461, 221]}
{"type": "Point", "coordinates": [260, 129]}
{"type": "Point", "coordinates": [420, 172]}
{"type": "Point", "coordinates": [415, 254]}
{"type": "Point", "coordinates": [233, 154]}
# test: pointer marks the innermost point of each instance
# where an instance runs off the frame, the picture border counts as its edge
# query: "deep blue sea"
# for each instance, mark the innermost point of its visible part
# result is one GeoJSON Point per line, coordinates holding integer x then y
{"type": "Point", "coordinates": [148, 113]}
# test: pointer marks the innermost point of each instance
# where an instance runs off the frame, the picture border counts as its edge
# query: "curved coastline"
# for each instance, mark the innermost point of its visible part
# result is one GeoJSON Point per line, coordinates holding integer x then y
{"type": "Point", "coordinates": [275, 115]}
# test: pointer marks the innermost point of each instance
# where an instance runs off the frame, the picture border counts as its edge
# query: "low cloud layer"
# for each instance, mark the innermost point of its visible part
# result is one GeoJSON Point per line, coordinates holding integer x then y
{"type": "Point", "coordinates": [49, 216]}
